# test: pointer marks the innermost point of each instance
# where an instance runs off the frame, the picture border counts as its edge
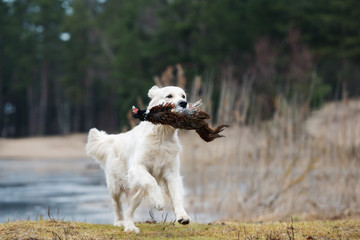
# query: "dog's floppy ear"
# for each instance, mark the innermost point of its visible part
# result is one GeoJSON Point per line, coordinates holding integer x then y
{"type": "Point", "coordinates": [152, 91]}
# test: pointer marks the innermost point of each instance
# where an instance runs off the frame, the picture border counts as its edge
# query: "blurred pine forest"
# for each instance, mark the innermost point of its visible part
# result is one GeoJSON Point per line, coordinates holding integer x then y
{"type": "Point", "coordinates": [69, 65]}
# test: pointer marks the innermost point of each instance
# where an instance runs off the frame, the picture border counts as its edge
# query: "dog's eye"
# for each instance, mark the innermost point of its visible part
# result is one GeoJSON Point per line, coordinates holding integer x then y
{"type": "Point", "coordinates": [169, 96]}
{"type": "Point", "coordinates": [183, 96]}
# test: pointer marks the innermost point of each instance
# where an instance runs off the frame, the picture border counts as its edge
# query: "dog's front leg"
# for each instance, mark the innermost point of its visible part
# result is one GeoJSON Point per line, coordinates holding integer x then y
{"type": "Point", "coordinates": [176, 192]}
{"type": "Point", "coordinates": [142, 181]}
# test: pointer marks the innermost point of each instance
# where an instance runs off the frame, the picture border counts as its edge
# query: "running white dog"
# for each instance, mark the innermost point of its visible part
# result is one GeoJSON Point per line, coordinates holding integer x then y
{"type": "Point", "coordinates": [143, 163]}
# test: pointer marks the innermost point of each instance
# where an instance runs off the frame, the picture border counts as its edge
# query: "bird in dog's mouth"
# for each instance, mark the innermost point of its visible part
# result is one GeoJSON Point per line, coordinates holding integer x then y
{"type": "Point", "coordinates": [184, 116]}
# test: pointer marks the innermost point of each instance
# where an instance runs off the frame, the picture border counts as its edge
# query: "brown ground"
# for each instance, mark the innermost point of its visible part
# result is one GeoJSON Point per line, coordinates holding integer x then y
{"type": "Point", "coordinates": [56, 147]}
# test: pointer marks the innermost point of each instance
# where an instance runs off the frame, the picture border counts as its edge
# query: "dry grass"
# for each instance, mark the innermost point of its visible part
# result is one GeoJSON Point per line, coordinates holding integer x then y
{"type": "Point", "coordinates": [289, 166]}
{"type": "Point", "coordinates": [60, 230]}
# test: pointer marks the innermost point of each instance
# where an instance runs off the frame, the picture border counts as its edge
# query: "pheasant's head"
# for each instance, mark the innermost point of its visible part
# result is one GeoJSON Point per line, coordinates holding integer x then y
{"type": "Point", "coordinates": [137, 113]}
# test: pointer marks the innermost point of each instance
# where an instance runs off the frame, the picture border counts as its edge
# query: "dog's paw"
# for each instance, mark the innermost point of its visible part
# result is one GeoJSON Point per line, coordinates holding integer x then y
{"type": "Point", "coordinates": [130, 227]}
{"type": "Point", "coordinates": [119, 223]}
{"type": "Point", "coordinates": [183, 219]}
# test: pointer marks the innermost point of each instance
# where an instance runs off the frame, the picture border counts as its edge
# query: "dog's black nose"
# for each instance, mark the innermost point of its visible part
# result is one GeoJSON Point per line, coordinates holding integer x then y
{"type": "Point", "coordinates": [183, 104]}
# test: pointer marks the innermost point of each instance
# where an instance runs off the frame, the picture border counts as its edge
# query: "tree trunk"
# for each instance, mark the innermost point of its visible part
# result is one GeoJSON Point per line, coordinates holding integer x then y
{"type": "Point", "coordinates": [1, 93]}
{"type": "Point", "coordinates": [77, 118]}
{"type": "Point", "coordinates": [32, 111]}
{"type": "Point", "coordinates": [88, 104]}
{"type": "Point", "coordinates": [43, 98]}
{"type": "Point", "coordinates": [88, 120]}
{"type": "Point", "coordinates": [62, 107]}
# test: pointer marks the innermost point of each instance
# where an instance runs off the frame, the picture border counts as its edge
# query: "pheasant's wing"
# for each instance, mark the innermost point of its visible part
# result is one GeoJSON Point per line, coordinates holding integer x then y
{"type": "Point", "coordinates": [161, 114]}
{"type": "Point", "coordinates": [193, 113]}
{"type": "Point", "coordinates": [196, 104]}
{"type": "Point", "coordinates": [163, 108]}
{"type": "Point", "coordinates": [201, 115]}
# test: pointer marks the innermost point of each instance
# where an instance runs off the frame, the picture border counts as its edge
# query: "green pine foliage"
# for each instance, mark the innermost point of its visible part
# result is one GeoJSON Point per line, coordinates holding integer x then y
{"type": "Point", "coordinates": [68, 65]}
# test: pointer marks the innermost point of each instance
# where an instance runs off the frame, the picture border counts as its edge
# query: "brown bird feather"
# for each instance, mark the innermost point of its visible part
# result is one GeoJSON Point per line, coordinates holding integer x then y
{"type": "Point", "coordinates": [191, 118]}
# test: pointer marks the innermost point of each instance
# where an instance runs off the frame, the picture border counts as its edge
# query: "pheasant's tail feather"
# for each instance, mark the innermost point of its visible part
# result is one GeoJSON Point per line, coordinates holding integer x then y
{"type": "Point", "coordinates": [220, 128]}
{"type": "Point", "coordinates": [208, 134]}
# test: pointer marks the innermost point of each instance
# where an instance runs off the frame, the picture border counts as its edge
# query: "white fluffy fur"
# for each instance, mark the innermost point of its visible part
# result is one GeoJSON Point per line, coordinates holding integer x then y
{"type": "Point", "coordinates": [142, 163]}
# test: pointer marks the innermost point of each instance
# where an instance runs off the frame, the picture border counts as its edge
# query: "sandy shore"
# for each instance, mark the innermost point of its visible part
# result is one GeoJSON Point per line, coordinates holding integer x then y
{"type": "Point", "coordinates": [54, 147]}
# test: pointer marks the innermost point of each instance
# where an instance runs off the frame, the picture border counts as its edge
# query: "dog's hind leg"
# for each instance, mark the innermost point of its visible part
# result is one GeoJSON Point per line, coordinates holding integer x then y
{"type": "Point", "coordinates": [132, 203]}
{"type": "Point", "coordinates": [118, 211]}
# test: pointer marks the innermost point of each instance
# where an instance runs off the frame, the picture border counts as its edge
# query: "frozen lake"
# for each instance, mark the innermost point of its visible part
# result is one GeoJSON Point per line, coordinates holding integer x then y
{"type": "Point", "coordinates": [73, 190]}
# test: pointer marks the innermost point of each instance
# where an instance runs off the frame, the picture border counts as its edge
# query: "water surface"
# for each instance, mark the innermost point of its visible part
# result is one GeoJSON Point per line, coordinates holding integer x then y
{"type": "Point", "coordinates": [70, 189]}
{"type": "Point", "coordinates": [67, 189]}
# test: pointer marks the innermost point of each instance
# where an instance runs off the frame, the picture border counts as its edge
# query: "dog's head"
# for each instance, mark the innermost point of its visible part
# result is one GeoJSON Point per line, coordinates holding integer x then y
{"type": "Point", "coordinates": [164, 95]}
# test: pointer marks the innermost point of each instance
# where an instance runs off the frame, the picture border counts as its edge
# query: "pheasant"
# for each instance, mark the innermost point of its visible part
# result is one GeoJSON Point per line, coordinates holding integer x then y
{"type": "Point", "coordinates": [191, 118]}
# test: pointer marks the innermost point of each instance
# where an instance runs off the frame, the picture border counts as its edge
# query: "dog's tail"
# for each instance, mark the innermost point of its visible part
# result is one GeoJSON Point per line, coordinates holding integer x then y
{"type": "Point", "coordinates": [99, 145]}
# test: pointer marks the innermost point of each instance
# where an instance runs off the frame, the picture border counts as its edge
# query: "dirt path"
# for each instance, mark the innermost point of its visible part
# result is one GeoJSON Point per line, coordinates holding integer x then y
{"type": "Point", "coordinates": [57, 147]}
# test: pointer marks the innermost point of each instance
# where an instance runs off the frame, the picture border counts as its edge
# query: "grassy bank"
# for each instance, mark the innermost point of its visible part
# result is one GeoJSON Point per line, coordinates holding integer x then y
{"type": "Point", "coordinates": [50, 229]}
